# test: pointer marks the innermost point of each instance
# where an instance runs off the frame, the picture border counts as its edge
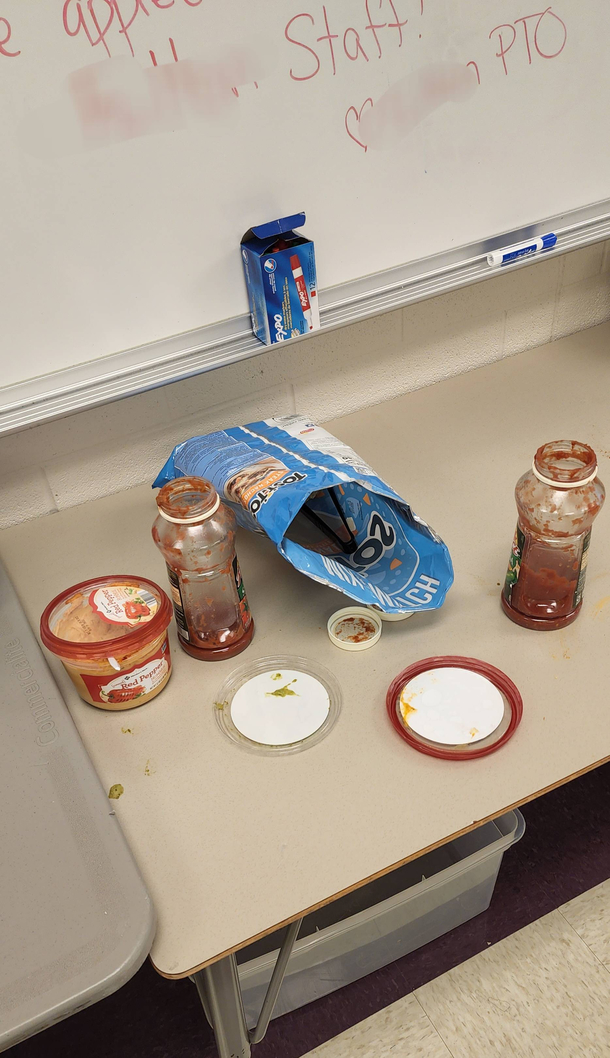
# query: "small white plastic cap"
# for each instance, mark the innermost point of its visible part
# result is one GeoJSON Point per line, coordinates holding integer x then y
{"type": "Point", "coordinates": [354, 628]}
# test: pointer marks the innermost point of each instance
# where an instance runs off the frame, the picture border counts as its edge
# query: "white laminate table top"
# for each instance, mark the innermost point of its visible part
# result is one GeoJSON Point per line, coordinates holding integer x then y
{"type": "Point", "coordinates": [230, 843]}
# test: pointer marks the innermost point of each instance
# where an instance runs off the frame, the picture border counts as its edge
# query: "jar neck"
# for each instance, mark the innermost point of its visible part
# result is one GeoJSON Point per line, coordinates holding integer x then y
{"type": "Point", "coordinates": [188, 501]}
{"type": "Point", "coordinates": [565, 464]}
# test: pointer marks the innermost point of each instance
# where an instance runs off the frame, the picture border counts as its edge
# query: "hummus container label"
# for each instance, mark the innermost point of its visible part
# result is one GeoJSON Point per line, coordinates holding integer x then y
{"type": "Point", "coordinates": [124, 604]}
{"type": "Point", "coordinates": [126, 688]}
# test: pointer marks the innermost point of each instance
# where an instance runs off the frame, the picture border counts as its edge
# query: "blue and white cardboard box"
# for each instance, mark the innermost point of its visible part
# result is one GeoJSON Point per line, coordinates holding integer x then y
{"type": "Point", "coordinates": [280, 270]}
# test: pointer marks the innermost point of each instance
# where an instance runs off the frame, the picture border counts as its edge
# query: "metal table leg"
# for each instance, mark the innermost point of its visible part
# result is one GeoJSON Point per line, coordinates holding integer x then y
{"type": "Point", "coordinates": [220, 993]}
{"type": "Point", "coordinates": [218, 987]}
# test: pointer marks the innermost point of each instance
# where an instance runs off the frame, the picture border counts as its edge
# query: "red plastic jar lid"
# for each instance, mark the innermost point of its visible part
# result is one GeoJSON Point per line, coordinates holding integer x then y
{"type": "Point", "coordinates": [513, 708]}
{"type": "Point", "coordinates": [105, 616]}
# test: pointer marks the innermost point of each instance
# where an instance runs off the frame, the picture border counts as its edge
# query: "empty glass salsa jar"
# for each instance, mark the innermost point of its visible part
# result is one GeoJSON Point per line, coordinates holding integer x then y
{"type": "Point", "coordinates": [557, 500]}
{"type": "Point", "coordinates": [110, 634]}
{"type": "Point", "coordinates": [195, 533]}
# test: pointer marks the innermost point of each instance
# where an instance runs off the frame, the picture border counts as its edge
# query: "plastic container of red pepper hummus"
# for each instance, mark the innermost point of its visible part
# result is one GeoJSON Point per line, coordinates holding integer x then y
{"type": "Point", "coordinates": [110, 633]}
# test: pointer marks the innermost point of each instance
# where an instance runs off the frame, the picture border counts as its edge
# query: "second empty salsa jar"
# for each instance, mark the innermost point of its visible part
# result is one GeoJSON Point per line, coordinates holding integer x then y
{"type": "Point", "coordinates": [557, 500]}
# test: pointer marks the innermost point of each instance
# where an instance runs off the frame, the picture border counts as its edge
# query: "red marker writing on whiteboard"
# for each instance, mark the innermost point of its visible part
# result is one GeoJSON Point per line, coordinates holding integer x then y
{"type": "Point", "coordinates": [301, 286]}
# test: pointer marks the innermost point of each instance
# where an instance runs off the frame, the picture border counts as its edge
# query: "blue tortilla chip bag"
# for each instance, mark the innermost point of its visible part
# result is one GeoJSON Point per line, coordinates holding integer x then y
{"type": "Point", "coordinates": [325, 510]}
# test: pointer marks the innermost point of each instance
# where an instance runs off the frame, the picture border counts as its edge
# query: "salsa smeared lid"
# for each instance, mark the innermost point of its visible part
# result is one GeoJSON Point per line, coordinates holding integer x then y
{"type": "Point", "coordinates": [354, 628]}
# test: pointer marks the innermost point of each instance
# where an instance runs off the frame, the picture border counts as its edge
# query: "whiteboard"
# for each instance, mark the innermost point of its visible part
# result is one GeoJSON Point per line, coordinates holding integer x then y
{"type": "Point", "coordinates": [141, 138]}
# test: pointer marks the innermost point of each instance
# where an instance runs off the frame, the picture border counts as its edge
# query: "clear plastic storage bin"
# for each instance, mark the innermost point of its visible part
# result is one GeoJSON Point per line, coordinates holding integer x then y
{"type": "Point", "coordinates": [382, 921]}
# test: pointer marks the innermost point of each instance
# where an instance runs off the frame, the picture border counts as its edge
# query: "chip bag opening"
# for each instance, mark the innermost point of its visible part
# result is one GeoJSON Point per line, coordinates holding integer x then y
{"type": "Point", "coordinates": [326, 511]}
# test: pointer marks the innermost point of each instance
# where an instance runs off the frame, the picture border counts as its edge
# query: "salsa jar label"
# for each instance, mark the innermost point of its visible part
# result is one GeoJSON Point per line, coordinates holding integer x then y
{"type": "Point", "coordinates": [516, 558]}
{"type": "Point", "coordinates": [126, 687]}
{"type": "Point", "coordinates": [124, 604]}
{"type": "Point", "coordinates": [244, 609]}
{"type": "Point", "coordinates": [514, 564]}
{"type": "Point", "coordinates": [176, 593]}
{"type": "Point", "coordinates": [582, 573]}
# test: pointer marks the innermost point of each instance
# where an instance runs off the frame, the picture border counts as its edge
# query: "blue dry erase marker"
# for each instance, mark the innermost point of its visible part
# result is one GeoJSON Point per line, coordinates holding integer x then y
{"type": "Point", "coordinates": [512, 253]}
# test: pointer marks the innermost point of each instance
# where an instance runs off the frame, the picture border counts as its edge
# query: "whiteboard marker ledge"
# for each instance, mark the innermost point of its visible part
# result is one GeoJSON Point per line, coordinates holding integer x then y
{"type": "Point", "coordinates": [182, 356]}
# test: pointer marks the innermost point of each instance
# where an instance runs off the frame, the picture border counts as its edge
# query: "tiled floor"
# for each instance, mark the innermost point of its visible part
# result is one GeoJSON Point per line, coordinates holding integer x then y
{"type": "Point", "coordinates": [543, 992]}
{"type": "Point", "coordinates": [564, 853]}
{"type": "Point", "coordinates": [400, 1030]}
